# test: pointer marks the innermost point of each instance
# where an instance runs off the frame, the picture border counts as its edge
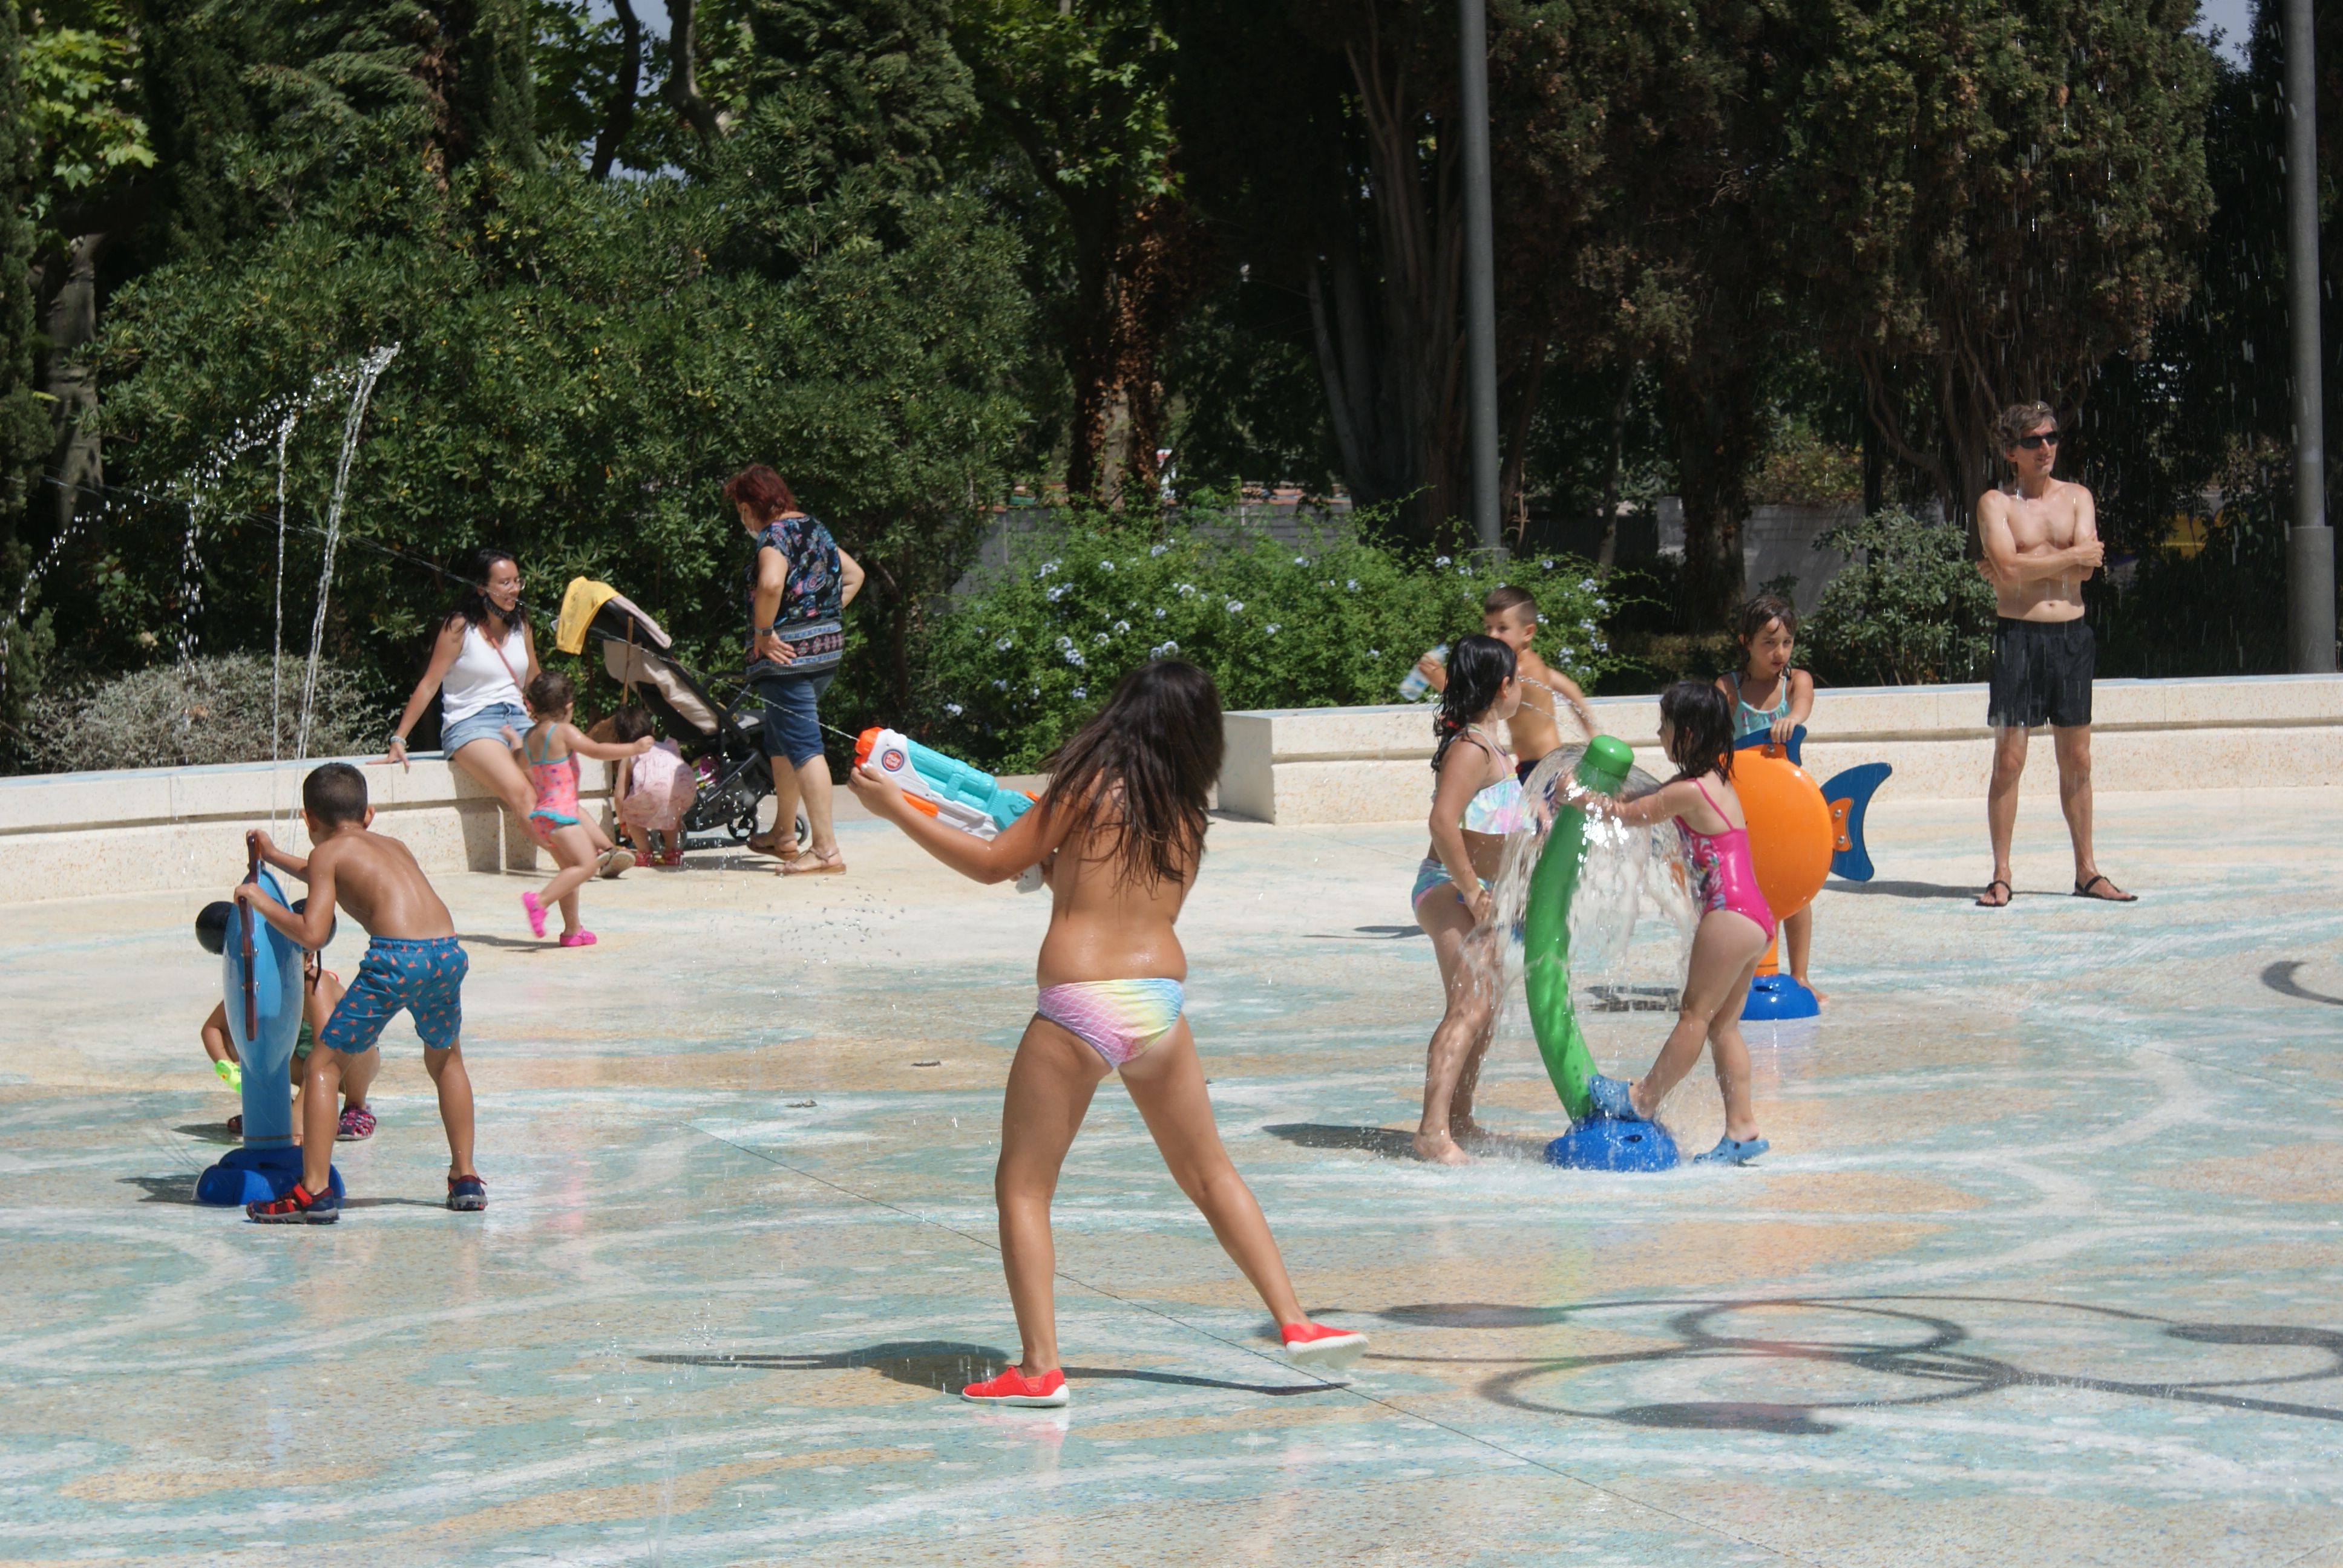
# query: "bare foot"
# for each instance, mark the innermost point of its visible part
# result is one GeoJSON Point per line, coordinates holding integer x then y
{"type": "Point", "coordinates": [1440, 1149]}
{"type": "Point", "coordinates": [1822, 998]}
{"type": "Point", "coordinates": [1464, 1128]}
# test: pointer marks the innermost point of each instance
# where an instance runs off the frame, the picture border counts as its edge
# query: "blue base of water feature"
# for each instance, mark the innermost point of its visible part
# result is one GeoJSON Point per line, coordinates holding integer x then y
{"type": "Point", "coordinates": [1774, 997]}
{"type": "Point", "coordinates": [254, 1176]}
{"type": "Point", "coordinates": [1606, 1143]}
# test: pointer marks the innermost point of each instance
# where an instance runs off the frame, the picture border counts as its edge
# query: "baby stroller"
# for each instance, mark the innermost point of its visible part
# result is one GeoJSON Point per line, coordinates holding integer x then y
{"type": "Point", "coordinates": [724, 743]}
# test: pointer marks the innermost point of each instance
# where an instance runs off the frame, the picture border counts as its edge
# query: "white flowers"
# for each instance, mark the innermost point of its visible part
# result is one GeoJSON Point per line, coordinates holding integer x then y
{"type": "Point", "coordinates": [1000, 686]}
{"type": "Point", "coordinates": [1588, 585]}
{"type": "Point", "coordinates": [1004, 643]}
{"type": "Point", "coordinates": [1352, 585]}
{"type": "Point", "coordinates": [1059, 592]}
{"type": "Point", "coordinates": [1187, 591]}
{"type": "Point", "coordinates": [1236, 607]}
{"type": "Point", "coordinates": [1074, 657]}
{"type": "Point", "coordinates": [1120, 628]}
{"type": "Point", "coordinates": [1271, 628]}
{"type": "Point", "coordinates": [1441, 563]}
{"type": "Point", "coordinates": [1081, 691]}
{"type": "Point", "coordinates": [1158, 549]}
{"type": "Point", "coordinates": [1065, 642]}
{"type": "Point", "coordinates": [1102, 640]}
{"type": "Point", "coordinates": [954, 708]}
{"type": "Point", "coordinates": [1546, 566]}
{"type": "Point", "coordinates": [1047, 567]}
{"type": "Point", "coordinates": [1106, 566]}
{"type": "Point", "coordinates": [1301, 560]}
{"type": "Point", "coordinates": [1164, 651]}
{"type": "Point", "coordinates": [1161, 612]}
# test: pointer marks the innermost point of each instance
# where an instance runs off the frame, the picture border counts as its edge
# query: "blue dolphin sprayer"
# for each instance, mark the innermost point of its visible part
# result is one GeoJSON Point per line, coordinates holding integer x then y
{"type": "Point", "coordinates": [260, 976]}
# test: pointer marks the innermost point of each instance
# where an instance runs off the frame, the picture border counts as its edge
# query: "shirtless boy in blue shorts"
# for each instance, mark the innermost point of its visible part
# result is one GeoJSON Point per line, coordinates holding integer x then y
{"type": "Point", "coordinates": [413, 962]}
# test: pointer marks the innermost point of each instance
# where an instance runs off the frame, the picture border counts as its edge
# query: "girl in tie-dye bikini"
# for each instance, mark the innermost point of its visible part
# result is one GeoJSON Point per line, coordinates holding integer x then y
{"type": "Point", "coordinates": [1120, 835]}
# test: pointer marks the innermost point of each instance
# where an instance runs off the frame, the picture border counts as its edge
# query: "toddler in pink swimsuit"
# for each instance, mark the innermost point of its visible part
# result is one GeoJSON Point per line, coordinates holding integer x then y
{"type": "Point", "coordinates": [653, 791]}
{"type": "Point", "coordinates": [1736, 925]}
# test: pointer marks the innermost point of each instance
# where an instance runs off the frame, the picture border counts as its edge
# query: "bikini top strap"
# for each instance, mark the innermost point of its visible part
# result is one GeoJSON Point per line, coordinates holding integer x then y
{"type": "Point", "coordinates": [1701, 786]}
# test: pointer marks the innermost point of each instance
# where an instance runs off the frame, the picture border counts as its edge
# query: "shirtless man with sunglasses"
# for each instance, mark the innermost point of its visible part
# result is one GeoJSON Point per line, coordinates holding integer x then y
{"type": "Point", "coordinates": [2040, 540]}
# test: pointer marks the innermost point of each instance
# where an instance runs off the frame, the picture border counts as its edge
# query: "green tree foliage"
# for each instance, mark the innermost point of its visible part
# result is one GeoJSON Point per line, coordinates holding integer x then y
{"type": "Point", "coordinates": [2014, 195]}
{"type": "Point", "coordinates": [1081, 94]}
{"type": "Point", "coordinates": [575, 380]}
{"type": "Point", "coordinates": [1026, 659]}
{"type": "Point", "coordinates": [1908, 610]}
{"type": "Point", "coordinates": [78, 106]}
{"type": "Point", "coordinates": [24, 421]}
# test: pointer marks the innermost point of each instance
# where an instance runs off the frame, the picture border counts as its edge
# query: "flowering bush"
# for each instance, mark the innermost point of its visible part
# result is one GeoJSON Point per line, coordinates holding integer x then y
{"type": "Point", "coordinates": [1017, 666]}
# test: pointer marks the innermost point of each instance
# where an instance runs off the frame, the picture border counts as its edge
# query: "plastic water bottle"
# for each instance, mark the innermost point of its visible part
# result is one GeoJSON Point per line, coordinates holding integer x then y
{"type": "Point", "coordinates": [1413, 684]}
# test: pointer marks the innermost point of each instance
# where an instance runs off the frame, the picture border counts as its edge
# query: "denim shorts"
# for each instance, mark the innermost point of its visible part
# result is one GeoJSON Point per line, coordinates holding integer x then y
{"type": "Point", "coordinates": [485, 724]}
{"type": "Point", "coordinates": [792, 722]}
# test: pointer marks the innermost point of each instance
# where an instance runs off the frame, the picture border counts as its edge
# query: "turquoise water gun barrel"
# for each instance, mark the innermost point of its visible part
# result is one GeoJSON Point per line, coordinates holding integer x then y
{"type": "Point", "coordinates": [948, 777]}
{"type": "Point", "coordinates": [1545, 928]}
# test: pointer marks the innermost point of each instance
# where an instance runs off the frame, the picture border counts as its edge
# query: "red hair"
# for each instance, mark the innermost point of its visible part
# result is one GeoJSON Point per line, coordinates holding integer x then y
{"type": "Point", "coordinates": [765, 493]}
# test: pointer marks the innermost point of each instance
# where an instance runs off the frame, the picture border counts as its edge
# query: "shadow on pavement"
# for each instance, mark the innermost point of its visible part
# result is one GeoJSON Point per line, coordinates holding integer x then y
{"type": "Point", "coordinates": [948, 1366]}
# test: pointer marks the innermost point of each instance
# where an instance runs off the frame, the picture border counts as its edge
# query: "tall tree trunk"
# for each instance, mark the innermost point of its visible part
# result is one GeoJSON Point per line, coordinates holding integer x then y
{"type": "Point", "coordinates": [682, 87]}
{"type": "Point", "coordinates": [68, 288]}
{"type": "Point", "coordinates": [1713, 422]}
{"type": "Point", "coordinates": [1159, 269]}
{"type": "Point", "coordinates": [1607, 552]}
{"type": "Point", "coordinates": [618, 113]}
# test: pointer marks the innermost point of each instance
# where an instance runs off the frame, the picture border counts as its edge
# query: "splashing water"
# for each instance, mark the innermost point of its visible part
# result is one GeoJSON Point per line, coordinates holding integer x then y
{"type": "Point", "coordinates": [1618, 960]}
{"type": "Point", "coordinates": [369, 370]}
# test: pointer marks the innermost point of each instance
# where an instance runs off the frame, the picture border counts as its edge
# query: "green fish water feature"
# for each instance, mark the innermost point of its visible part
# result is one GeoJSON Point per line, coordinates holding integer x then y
{"type": "Point", "coordinates": [1592, 1142]}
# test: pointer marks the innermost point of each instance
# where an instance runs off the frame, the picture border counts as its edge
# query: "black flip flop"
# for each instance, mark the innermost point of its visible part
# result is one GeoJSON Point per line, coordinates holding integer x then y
{"type": "Point", "coordinates": [2008, 893]}
{"type": "Point", "coordinates": [2083, 890]}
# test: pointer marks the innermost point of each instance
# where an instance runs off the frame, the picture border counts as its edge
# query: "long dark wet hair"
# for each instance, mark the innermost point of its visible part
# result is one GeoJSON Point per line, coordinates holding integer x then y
{"type": "Point", "coordinates": [474, 606]}
{"type": "Point", "coordinates": [1701, 720]}
{"type": "Point", "coordinates": [1477, 666]}
{"type": "Point", "coordinates": [1147, 760]}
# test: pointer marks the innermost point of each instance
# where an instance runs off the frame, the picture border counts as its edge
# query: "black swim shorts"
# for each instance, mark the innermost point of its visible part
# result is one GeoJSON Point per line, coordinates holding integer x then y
{"type": "Point", "coordinates": [2042, 672]}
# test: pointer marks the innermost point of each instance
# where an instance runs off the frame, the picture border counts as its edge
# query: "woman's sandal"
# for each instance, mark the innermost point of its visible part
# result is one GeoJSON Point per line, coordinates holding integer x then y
{"type": "Point", "coordinates": [2114, 895]}
{"type": "Point", "coordinates": [814, 864]}
{"type": "Point", "coordinates": [1986, 901]}
{"type": "Point", "coordinates": [780, 849]}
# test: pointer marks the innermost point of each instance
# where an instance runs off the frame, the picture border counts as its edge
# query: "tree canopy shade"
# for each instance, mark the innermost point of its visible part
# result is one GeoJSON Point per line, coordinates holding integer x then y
{"type": "Point", "coordinates": [1082, 95]}
{"type": "Point", "coordinates": [2014, 194]}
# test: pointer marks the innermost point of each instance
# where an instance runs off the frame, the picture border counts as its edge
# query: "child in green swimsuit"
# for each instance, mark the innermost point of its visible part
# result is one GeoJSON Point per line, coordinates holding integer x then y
{"type": "Point", "coordinates": [325, 992]}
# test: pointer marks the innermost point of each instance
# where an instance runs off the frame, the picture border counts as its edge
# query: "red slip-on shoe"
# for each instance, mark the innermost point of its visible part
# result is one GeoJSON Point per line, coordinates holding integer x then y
{"type": "Point", "coordinates": [1047, 1391]}
{"type": "Point", "coordinates": [1321, 1348]}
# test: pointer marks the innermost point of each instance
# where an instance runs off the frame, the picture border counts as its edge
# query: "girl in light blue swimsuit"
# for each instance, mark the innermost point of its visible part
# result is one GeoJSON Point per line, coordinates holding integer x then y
{"type": "Point", "coordinates": [1476, 803]}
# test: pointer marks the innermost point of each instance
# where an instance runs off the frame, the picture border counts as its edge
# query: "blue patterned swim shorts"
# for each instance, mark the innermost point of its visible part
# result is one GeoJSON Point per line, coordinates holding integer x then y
{"type": "Point", "coordinates": [425, 975]}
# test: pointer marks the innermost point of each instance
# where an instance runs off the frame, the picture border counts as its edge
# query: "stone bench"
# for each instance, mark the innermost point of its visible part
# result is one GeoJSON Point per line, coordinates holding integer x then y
{"type": "Point", "coordinates": [1370, 764]}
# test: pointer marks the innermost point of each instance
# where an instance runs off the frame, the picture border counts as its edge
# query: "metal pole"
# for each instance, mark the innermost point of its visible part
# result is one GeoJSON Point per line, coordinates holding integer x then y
{"type": "Point", "coordinates": [1480, 271]}
{"type": "Point", "coordinates": [2310, 544]}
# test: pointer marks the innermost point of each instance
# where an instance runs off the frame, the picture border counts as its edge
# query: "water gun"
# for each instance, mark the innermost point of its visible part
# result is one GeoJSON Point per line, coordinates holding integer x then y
{"type": "Point", "coordinates": [951, 791]}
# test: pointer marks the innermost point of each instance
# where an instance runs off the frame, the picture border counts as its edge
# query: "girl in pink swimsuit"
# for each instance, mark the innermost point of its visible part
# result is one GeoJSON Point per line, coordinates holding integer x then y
{"type": "Point", "coordinates": [549, 754]}
{"type": "Point", "coordinates": [1735, 922]}
{"type": "Point", "coordinates": [1119, 835]}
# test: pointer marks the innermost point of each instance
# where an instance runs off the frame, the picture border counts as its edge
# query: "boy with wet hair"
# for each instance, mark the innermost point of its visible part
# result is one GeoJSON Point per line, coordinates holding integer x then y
{"type": "Point", "coordinates": [414, 962]}
{"type": "Point", "coordinates": [1511, 616]}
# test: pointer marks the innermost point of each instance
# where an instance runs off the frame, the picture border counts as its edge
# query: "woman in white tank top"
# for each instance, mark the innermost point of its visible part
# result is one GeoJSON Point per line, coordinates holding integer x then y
{"type": "Point", "coordinates": [481, 663]}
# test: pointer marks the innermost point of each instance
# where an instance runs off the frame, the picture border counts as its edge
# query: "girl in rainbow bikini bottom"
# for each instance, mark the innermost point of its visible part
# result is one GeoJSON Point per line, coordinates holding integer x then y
{"type": "Point", "coordinates": [1120, 835]}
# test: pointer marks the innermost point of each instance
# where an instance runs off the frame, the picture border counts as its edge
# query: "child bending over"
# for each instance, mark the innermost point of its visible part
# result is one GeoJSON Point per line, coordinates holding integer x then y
{"type": "Point", "coordinates": [653, 791]}
{"type": "Point", "coordinates": [413, 962]}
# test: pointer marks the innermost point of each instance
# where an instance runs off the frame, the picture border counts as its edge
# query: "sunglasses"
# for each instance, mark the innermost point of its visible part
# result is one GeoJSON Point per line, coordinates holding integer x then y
{"type": "Point", "coordinates": [2036, 443]}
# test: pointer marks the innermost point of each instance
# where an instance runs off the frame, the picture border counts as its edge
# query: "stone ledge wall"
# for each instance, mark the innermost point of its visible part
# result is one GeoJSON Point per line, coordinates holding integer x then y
{"type": "Point", "coordinates": [1369, 764]}
{"type": "Point", "coordinates": [68, 835]}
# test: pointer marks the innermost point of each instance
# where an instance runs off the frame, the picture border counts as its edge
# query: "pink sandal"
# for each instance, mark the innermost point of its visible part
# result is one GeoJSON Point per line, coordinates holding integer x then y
{"type": "Point", "coordinates": [581, 937]}
{"type": "Point", "coordinates": [536, 912]}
